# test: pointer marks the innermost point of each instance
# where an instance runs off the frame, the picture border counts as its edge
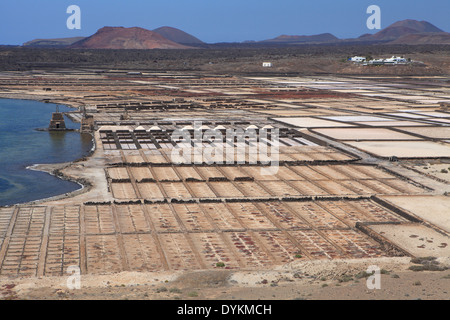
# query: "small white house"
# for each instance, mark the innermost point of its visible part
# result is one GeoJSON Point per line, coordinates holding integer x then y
{"type": "Point", "coordinates": [388, 62]}
{"type": "Point", "coordinates": [267, 64]}
{"type": "Point", "coordinates": [396, 60]}
{"type": "Point", "coordinates": [357, 59]}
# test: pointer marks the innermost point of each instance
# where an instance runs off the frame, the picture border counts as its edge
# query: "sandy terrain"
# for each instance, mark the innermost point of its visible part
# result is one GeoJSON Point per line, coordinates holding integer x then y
{"type": "Point", "coordinates": [404, 149]}
{"type": "Point", "coordinates": [364, 134]}
{"type": "Point", "coordinates": [435, 132]}
{"type": "Point", "coordinates": [358, 118]}
{"type": "Point", "coordinates": [434, 209]}
{"type": "Point", "coordinates": [417, 240]}
{"type": "Point", "coordinates": [340, 280]}
{"type": "Point", "coordinates": [440, 171]}
{"type": "Point", "coordinates": [392, 123]}
{"type": "Point", "coordinates": [307, 122]}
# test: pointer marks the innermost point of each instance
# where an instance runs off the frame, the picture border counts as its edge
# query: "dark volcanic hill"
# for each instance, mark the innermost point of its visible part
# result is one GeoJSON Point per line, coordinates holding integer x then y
{"type": "Point", "coordinates": [424, 38]}
{"type": "Point", "coordinates": [286, 39]}
{"type": "Point", "coordinates": [178, 36]}
{"type": "Point", "coordinates": [409, 32]}
{"type": "Point", "coordinates": [402, 28]}
{"type": "Point", "coordinates": [52, 43]}
{"type": "Point", "coordinates": [126, 38]}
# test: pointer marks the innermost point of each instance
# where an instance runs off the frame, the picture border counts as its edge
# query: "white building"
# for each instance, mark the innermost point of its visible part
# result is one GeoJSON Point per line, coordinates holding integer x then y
{"type": "Point", "coordinates": [376, 62]}
{"type": "Point", "coordinates": [391, 61]}
{"type": "Point", "coordinates": [267, 64]}
{"type": "Point", "coordinates": [396, 60]}
{"type": "Point", "coordinates": [357, 59]}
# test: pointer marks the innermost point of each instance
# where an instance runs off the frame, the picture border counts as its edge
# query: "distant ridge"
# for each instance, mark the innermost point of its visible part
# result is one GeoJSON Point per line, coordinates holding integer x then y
{"type": "Point", "coordinates": [324, 37]}
{"type": "Point", "coordinates": [402, 28]}
{"type": "Point", "coordinates": [424, 38]}
{"type": "Point", "coordinates": [178, 36]}
{"type": "Point", "coordinates": [126, 38]}
{"type": "Point", "coordinates": [52, 43]}
{"type": "Point", "coordinates": [409, 32]}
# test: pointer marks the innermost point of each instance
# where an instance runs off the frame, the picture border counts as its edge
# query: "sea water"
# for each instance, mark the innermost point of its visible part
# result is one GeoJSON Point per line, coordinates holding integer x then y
{"type": "Point", "coordinates": [22, 146]}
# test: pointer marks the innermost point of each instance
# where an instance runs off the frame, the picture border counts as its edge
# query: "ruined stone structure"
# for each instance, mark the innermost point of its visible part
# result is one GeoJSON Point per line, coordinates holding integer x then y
{"type": "Point", "coordinates": [87, 123]}
{"type": "Point", "coordinates": [57, 123]}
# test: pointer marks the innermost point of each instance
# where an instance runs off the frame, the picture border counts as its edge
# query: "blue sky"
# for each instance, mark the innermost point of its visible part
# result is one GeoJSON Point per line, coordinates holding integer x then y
{"type": "Point", "coordinates": [213, 20]}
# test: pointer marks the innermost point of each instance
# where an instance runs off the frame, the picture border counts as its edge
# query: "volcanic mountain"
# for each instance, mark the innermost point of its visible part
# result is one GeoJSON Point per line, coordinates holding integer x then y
{"type": "Point", "coordinates": [178, 36]}
{"type": "Point", "coordinates": [402, 32]}
{"type": "Point", "coordinates": [424, 38]}
{"type": "Point", "coordinates": [126, 38]}
{"type": "Point", "coordinates": [402, 28]}
{"type": "Point", "coordinates": [324, 37]}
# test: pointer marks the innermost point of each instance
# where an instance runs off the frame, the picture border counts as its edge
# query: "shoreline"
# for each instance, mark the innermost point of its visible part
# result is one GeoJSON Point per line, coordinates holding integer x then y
{"type": "Point", "coordinates": [54, 169]}
{"type": "Point", "coordinates": [43, 99]}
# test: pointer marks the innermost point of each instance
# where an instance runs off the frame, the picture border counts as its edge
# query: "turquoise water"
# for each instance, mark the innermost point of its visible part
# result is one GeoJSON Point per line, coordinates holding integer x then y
{"type": "Point", "coordinates": [22, 146]}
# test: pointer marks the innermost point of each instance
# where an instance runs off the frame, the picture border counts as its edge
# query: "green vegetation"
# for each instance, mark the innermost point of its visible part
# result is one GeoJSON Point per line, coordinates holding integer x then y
{"type": "Point", "coordinates": [426, 264]}
{"type": "Point", "coordinates": [422, 260]}
{"type": "Point", "coordinates": [362, 274]}
{"type": "Point", "coordinates": [345, 278]}
{"type": "Point", "coordinates": [162, 289]}
{"type": "Point", "coordinates": [427, 267]}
